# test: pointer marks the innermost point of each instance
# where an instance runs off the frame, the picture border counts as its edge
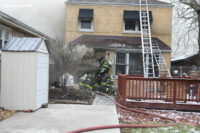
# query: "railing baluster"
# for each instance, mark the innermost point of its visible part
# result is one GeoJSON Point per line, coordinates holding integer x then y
{"type": "Point", "coordinates": [143, 89]}
{"type": "Point", "coordinates": [139, 88]}
{"type": "Point", "coordinates": [147, 88]}
{"type": "Point", "coordinates": [132, 91]}
{"type": "Point", "coordinates": [129, 88]}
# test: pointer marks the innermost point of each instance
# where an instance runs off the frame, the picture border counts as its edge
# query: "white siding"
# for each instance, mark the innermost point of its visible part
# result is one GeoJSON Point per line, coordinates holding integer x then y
{"type": "Point", "coordinates": [18, 80]}
{"type": "Point", "coordinates": [43, 48]}
{"type": "Point", "coordinates": [42, 78]}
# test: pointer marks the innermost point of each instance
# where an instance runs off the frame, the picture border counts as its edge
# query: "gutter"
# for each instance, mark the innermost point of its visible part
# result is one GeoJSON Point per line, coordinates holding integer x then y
{"type": "Point", "coordinates": [116, 4]}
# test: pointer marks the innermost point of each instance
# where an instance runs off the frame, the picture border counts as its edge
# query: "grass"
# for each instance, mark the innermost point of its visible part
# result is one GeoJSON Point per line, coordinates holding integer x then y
{"type": "Point", "coordinates": [181, 128]}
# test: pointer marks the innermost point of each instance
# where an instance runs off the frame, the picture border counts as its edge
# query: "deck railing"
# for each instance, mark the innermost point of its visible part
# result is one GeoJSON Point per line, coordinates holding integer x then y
{"type": "Point", "coordinates": [166, 89]}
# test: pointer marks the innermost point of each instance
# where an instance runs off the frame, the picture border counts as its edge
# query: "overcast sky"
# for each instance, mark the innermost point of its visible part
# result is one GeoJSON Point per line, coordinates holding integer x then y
{"type": "Point", "coordinates": [48, 16]}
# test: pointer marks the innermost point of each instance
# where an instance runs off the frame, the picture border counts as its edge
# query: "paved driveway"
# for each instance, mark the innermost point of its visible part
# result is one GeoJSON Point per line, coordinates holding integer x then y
{"type": "Point", "coordinates": [60, 118]}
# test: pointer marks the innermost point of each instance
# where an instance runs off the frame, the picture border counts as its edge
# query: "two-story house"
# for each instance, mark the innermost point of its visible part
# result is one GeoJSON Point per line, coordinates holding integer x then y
{"type": "Point", "coordinates": [112, 28]}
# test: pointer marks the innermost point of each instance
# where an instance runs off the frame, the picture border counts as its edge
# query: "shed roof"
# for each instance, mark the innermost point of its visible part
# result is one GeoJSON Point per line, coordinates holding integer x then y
{"type": "Point", "coordinates": [115, 42]}
{"type": "Point", "coordinates": [23, 44]}
{"type": "Point", "coordinates": [118, 2]}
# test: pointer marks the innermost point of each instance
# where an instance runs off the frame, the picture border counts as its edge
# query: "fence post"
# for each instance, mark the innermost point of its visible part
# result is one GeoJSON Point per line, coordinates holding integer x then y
{"type": "Point", "coordinates": [124, 88]}
{"type": "Point", "coordinates": [174, 96]}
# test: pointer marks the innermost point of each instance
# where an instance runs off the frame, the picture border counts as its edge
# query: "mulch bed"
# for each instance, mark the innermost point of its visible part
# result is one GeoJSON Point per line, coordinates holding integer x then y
{"type": "Point", "coordinates": [5, 114]}
{"type": "Point", "coordinates": [70, 96]}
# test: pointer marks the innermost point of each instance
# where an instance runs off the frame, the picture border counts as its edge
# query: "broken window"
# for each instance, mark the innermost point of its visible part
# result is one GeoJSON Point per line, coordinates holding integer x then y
{"type": "Point", "coordinates": [130, 25]}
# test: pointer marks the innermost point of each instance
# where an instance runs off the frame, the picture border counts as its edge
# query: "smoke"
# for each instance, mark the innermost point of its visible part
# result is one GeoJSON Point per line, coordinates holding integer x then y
{"type": "Point", "coordinates": [85, 58]}
{"type": "Point", "coordinates": [82, 51]}
{"type": "Point", "coordinates": [47, 16]}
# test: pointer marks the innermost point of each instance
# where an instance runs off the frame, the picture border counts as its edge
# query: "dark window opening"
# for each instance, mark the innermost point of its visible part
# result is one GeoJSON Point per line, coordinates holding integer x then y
{"type": "Point", "coordinates": [120, 63]}
{"type": "Point", "coordinates": [86, 24]}
{"type": "Point", "coordinates": [130, 25]}
{"type": "Point", "coordinates": [135, 64]}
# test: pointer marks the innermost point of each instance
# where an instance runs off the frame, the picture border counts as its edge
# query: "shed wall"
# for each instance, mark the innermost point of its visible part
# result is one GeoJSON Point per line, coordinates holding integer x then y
{"type": "Point", "coordinates": [18, 80]}
{"type": "Point", "coordinates": [42, 78]}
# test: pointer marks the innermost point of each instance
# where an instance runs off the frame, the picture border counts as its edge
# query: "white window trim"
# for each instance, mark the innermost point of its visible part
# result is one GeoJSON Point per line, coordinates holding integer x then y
{"type": "Point", "coordinates": [10, 35]}
{"type": "Point", "coordinates": [126, 60]}
{"type": "Point", "coordinates": [131, 31]}
{"type": "Point", "coordinates": [86, 30]}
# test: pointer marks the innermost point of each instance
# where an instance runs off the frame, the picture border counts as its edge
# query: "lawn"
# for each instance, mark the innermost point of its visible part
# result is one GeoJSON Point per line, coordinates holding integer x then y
{"type": "Point", "coordinates": [181, 128]}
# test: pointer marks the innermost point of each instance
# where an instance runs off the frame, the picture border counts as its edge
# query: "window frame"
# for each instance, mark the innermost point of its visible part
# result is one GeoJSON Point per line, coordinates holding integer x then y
{"type": "Point", "coordinates": [85, 30]}
{"type": "Point", "coordinates": [127, 62]}
{"type": "Point", "coordinates": [4, 29]}
{"type": "Point", "coordinates": [137, 27]}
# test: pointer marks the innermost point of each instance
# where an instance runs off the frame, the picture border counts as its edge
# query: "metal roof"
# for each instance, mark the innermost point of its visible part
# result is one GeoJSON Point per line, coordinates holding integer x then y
{"type": "Point", "coordinates": [23, 44]}
{"type": "Point", "coordinates": [118, 2]}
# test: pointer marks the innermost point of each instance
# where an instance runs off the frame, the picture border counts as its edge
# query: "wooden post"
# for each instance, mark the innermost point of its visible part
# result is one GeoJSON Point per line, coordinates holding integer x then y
{"type": "Point", "coordinates": [181, 71]}
{"type": "Point", "coordinates": [174, 96]}
{"type": "Point", "coordinates": [124, 88]}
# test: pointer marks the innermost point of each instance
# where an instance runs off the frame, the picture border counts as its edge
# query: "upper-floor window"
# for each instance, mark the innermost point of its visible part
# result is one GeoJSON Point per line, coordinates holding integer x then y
{"type": "Point", "coordinates": [132, 21]}
{"type": "Point", "coordinates": [85, 20]}
{"type": "Point", "coordinates": [5, 35]}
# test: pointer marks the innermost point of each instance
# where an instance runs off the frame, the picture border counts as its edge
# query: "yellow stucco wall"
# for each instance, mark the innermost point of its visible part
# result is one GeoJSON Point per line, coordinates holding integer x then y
{"type": "Point", "coordinates": [108, 20]}
{"type": "Point", "coordinates": [167, 57]}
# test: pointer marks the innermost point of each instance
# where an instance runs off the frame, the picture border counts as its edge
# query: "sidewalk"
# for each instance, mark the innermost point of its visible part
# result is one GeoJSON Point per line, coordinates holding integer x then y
{"type": "Point", "coordinates": [60, 118]}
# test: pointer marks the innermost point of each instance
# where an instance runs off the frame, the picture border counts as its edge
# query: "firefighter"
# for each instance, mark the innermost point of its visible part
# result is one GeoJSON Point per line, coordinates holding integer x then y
{"type": "Point", "coordinates": [104, 66]}
{"type": "Point", "coordinates": [106, 84]}
{"type": "Point", "coordinates": [88, 83]}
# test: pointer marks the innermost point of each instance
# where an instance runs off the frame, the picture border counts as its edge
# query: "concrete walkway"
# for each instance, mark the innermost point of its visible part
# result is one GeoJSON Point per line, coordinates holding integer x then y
{"type": "Point", "coordinates": [60, 118]}
{"type": "Point", "coordinates": [102, 100]}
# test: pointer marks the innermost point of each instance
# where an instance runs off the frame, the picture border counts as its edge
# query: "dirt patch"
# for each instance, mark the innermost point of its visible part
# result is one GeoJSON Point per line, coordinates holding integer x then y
{"type": "Point", "coordinates": [71, 96]}
{"type": "Point", "coordinates": [5, 114]}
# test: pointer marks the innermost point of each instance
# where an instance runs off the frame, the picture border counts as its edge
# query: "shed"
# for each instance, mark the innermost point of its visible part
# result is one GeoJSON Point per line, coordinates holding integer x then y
{"type": "Point", "coordinates": [25, 74]}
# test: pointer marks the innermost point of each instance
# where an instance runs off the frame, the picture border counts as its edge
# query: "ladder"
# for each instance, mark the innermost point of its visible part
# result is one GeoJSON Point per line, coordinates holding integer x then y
{"type": "Point", "coordinates": [150, 51]}
{"type": "Point", "coordinates": [147, 52]}
{"type": "Point", "coordinates": [160, 61]}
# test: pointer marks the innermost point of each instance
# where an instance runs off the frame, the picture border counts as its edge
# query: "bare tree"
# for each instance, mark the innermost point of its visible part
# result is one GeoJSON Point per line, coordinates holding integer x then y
{"type": "Point", "coordinates": [188, 16]}
{"type": "Point", "coordinates": [67, 57]}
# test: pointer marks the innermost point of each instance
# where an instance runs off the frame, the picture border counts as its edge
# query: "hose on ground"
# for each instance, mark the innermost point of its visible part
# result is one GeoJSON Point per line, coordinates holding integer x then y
{"type": "Point", "coordinates": [127, 125]}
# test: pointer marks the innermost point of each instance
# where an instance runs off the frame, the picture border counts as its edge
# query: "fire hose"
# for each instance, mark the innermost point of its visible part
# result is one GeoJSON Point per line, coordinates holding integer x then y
{"type": "Point", "coordinates": [128, 125]}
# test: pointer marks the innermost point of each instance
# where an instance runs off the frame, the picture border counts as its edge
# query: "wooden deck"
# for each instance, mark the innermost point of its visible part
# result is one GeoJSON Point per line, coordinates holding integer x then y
{"type": "Point", "coordinates": [159, 93]}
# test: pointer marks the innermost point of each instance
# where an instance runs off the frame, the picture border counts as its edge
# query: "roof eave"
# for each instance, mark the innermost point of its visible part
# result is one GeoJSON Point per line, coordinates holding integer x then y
{"type": "Point", "coordinates": [116, 4]}
{"type": "Point", "coordinates": [127, 49]}
{"type": "Point", "coordinates": [24, 27]}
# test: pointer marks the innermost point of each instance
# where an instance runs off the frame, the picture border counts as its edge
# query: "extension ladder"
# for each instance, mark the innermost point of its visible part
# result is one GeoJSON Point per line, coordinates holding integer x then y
{"type": "Point", "coordinates": [147, 52]}
{"type": "Point", "coordinates": [150, 51]}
